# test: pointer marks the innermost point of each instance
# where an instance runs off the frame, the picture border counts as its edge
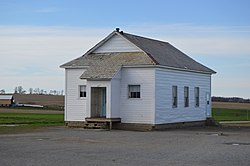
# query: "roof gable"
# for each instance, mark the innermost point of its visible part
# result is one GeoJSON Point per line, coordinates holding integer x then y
{"type": "Point", "coordinates": [116, 43]}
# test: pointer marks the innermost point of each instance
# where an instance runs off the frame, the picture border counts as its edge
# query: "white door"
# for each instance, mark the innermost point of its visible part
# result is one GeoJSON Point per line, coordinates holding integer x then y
{"type": "Point", "coordinates": [98, 102]}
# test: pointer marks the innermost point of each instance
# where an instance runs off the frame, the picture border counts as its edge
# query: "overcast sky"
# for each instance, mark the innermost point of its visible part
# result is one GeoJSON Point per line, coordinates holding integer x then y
{"type": "Point", "coordinates": [37, 36]}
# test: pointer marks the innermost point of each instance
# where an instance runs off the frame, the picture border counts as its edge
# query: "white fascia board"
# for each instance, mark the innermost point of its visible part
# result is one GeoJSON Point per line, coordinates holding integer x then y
{"type": "Point", "coordinates": [165, 67]}
{"type": "Point", "coordinates": [187, 70]}
{"type": "Point", "coordinates": [75, 67]}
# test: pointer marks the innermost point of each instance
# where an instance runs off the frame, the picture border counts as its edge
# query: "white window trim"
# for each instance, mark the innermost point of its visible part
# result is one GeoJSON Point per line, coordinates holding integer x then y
{"type": "Point", "coordinates": [174, 106]}
{"type": "Point", "coordinates": [198, 97]}
{"type": "Point", "coordinates": [187, 97]}
{"type": "Point", "coordinates": [140, 92]}
{"type": "Point", "coordinates": [79, 91]}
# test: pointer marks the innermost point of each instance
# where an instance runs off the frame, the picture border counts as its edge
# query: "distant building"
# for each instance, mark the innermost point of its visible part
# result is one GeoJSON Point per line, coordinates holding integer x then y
{"type": "Point", "coordinates": [6, 100]}
{"type": "Point", "coordinates": [137, 81]}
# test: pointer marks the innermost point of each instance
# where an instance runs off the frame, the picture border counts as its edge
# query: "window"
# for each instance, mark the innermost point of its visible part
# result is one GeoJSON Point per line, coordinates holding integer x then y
{"type": "Point", "coordinates": [174, 96]}
{"type": "Point", "coordinates": [134, 91]}
{"type": "Point", "coordinates": [83, 91]}
{"type": "Point", "coordinates": [186, 96]}
{"type": "Point", "coordinates": [196, 96]}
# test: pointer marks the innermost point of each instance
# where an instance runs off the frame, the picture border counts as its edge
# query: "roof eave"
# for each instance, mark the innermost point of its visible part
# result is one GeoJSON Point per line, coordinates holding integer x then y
{"type": "Point", "coordinates": [74, 67]}
{"type": "Point", "coordinates": [140, 66]}
{"type": "Point", "coordinates": [188, 70]}
{"type": "Point", "coordinates": [96, 79]}
{"type": "Point", "coordinates": [168, 67]}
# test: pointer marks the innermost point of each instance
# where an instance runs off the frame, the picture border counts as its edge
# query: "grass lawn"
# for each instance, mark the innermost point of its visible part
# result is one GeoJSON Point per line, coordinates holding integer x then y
{"type": "Point", "coordinates": [28, 121]}
{"type": "Point", "coordinates": [225, 114]}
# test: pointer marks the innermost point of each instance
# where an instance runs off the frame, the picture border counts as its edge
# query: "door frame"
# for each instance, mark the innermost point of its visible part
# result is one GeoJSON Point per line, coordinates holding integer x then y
{"type": "Point", "coordinates": [208, 104]}
{"type": "Point", "coordinates": [100, 102]}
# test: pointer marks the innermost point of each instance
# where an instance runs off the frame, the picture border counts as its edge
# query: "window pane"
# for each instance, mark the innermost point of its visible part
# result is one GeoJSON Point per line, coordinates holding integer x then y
{"type": "Point", "coordinates": [133, 94]}
{"type": "Point", "coordinates": [186, 91]}
{"type": "Point", "coordinates": [134, 91]}
{"type": "Point", "coordinates": [197, 97]}
{"type": "Point", "coordinates": [83, 92]}
{"type": "Point", "coordinates": [138, 95]}
{"type": "Point", "coordinates": [186, 96]}
{"type": "Point", "coordinates": [174, 96]}
{"type": "Point", "coordinates": [82, 88]}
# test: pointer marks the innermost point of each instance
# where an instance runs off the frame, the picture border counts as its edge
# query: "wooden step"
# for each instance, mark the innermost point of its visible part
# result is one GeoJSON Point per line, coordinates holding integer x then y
{"type": "Point", "coordinates": [106, 121]}
{"type": "Point", "coordinates": [95, 125]}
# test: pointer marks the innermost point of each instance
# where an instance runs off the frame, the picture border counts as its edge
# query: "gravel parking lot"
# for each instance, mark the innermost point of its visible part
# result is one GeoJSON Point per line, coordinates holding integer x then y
{"type": "Point", "coordinates": [67, 146]}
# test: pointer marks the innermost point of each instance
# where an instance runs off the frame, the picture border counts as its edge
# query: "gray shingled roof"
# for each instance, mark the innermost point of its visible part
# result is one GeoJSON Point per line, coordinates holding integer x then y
{"type": "Point", "coordinates": [165, 54]}
{"type": "Point", "coordinates": [105, 66]}
{"type": "Point", "coordinates": [155, 52]}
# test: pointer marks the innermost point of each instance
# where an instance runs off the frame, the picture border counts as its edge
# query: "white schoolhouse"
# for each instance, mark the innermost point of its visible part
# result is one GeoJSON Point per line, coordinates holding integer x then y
{"type": "Point", "coordinates": [133, 81]}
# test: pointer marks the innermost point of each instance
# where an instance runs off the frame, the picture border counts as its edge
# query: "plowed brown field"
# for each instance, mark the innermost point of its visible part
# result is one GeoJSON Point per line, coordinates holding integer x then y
{"type": "Point", "coordinates": [230, 105]}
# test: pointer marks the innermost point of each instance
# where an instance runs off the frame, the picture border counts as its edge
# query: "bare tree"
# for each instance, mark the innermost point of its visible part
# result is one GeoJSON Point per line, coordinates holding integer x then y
{"type": "Point", "coordinates": [20, 90]}
{"type": "Point", "coordinates": [15, 90]}
{"type": "Point", "coordinates": [37, 91]}
{"type": "Point", "coordinates": [2, 91]}
{"type": "Point", "coordinates": [30, 90]}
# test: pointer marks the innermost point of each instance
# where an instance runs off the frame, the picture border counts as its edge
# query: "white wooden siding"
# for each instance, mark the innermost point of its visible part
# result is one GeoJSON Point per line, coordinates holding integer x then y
{"type": "Point", "coordinates": [165, 79]}
{"type": "Point", "coordinates": [75, 107]}
{"type": "Point", "coordinates": [117, 44]}
{"type": "Point", "coordinates": [137, 110]}
{"type": "Point", "coordinates": [115, 95]}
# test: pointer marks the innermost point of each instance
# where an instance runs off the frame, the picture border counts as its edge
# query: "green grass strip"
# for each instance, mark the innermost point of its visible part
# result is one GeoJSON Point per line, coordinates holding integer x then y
{"type": "Point", "coordinates": [28, 122]}
{"type": "Point", "coordinates": [30, 118]}
{"type": "Point", "coordinates": [223, 114]}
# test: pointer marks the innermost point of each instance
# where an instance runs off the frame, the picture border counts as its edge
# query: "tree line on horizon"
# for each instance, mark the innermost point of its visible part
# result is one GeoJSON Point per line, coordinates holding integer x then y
{"type": "Point", "coordinates": [21, 90]}
{"type": "Point", "coordinates": [230, 99]}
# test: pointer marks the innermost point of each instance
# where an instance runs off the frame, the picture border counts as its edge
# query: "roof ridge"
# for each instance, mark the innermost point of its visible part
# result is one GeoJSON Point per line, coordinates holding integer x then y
{"type": "Point", "coordinates": [147, 38]}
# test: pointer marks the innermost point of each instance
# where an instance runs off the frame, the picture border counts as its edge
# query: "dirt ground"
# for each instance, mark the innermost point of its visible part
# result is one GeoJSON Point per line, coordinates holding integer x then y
{"type": "Point", "coordinates": [229, 105]}
{"type": "Point", "coordinates": [70, 146]}
{"type": "Point", "coordinates": [45, 100]}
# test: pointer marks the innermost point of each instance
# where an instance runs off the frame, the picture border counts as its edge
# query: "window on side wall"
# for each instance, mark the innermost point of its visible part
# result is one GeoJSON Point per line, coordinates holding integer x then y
{"type": "Point", "coordinates": [186, 96]}
{"type": "Point", "coordinates": [197, 96]}
{"type": "Point", "coordinates": [174, 96]}
{"type": "Point", "coordinates": [83, 92]}
{"type": "Point", "coordinates": [134, 91]}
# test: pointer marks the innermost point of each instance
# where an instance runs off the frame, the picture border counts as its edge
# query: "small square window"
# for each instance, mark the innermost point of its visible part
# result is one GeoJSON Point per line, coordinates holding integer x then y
{"type": "Point", "coordinates": [134, 91]}
{"type": "Point", "coordinates": [83, 92]}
